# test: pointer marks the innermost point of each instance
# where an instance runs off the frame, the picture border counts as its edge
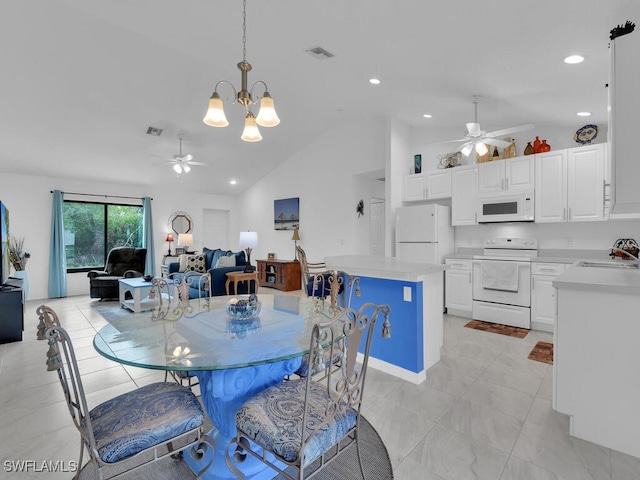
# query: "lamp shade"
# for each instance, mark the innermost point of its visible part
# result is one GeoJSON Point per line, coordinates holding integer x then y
{"type": "Point", "coordinates": [267, 116]}
{"type": "Point", "coordinates": [215, 116]}
{"type": "Point", "coordinates": [169, 238]}
{"type": "Point", "coordinates": [466, 150]}
{"type": "Point", "coordinates": [481, 148]}
{"type": "Point", "coordinates": [248, 239]}
{"type": "Point", "coordinates": [251, 132]}
{"type": "Point", "coordinates": [185, 239]}
{"type": "Point", "coordinates": [296, 235]}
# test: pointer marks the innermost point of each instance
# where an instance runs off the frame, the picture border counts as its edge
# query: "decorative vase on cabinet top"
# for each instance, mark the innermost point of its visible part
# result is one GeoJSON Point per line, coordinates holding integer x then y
{"type": "Point", "coordinates": [544, 147]}
{"type": "Point", "coordinates": [536, 145]}
{"type": "Point", "coordinates": [529, 150]}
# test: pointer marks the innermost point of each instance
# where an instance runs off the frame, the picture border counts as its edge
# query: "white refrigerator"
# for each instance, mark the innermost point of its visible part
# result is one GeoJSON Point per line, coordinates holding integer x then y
{"type": "Point", "coordinates": [424, 233]}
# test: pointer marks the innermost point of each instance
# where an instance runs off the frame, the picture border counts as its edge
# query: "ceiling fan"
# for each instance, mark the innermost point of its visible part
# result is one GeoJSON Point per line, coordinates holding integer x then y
{"type": "Point", "coordinates": [183, 163]}
{"type": "Point", "coordinates": [478, 139]}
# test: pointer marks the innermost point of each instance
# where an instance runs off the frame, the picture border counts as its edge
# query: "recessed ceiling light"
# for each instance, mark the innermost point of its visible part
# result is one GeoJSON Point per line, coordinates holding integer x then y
{"type": "Point", "coordinates": [233, 182]}
{"type": "Point", "coordinates": [427, 115]}
{"type": "Point", "coordinates": [374, 81]}
{"type": "Point", "coordinates": [584, 114]}
{"type": "Point", "coordinates": [574, 59]}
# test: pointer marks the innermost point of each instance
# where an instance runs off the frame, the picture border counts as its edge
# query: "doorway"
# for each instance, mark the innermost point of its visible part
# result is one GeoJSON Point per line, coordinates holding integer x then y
{"type": "Point", "coordinates": [215, 228]}
{"type": "Point", "coordinates": [376, 226]}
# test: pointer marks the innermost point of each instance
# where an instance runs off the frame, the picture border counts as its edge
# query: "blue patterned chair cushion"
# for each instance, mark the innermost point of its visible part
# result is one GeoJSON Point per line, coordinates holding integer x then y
{"type": "Point", "coordinates": [274, 418]}
{"type": "Point", "coordinates": [148, 416]}
{"type": "Point", "coordinates": [303, 371]}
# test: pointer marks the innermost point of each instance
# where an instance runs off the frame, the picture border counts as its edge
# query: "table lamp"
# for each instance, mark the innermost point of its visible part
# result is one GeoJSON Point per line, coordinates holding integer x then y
{"type": "Point", "coordinates": [169, 239]}
{"type": "Point", "coordinates": [185, 240]}
{"type": "Point", "coordinates": [248, 240]}
{"type": "Point", "coordinates": [295, 238]}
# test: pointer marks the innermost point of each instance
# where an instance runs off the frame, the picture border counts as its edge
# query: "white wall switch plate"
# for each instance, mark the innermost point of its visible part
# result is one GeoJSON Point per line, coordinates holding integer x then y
{"type": "Point", "coordinates": [407, 294]}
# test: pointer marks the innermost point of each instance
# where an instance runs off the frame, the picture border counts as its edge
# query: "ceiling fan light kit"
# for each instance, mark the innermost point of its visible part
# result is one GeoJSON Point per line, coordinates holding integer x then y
{"type": "Point", "coordinates": [478, 139]}
{"type": "Point", "coordinates": [267, 116]}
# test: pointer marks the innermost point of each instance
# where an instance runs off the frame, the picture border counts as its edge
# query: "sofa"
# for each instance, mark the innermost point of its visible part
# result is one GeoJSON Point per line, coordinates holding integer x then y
{"type": "Point", "coordinates": [122, 262]}
{"type": "Point", "coordinates": [210, 261]}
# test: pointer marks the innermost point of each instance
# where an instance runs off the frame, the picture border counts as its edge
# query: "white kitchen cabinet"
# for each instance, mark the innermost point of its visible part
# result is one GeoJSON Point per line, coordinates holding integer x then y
{"type": "Point", "coordinates": [464, 195]}
{"type": "Point", "coordinates": [439, 183]}
{"type": "Point", "coordinates": [570, 185]}
{"type": "Point", "coordinates": [544, 301]}
{"type": "Point", "coordinates": [585, 183]}
{"type": "Point", "coordinates": [459, 287]}
{"type": "Point", "coordinates": [415, 188]}
{"type": "Point", "coordinates": [509, 175]}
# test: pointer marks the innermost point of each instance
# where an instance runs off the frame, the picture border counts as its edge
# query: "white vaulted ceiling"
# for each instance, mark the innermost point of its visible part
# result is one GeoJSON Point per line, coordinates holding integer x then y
{"type": "Point", "coordinates": [83, 79]}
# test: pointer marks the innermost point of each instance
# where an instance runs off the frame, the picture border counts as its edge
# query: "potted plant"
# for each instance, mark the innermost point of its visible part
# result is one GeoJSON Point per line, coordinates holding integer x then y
{"type": "Point", "coordinates": [18, 257]}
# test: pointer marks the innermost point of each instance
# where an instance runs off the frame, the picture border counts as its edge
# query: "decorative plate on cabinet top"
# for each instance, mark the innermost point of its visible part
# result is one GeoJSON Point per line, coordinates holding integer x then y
{"type": "Point", "coordinates": [585, 134]}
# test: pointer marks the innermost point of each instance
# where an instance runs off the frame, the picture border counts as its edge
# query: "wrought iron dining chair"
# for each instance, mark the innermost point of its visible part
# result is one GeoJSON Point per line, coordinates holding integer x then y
{"type": "Point", "coordinates": [183, 285]}
{"type": "Point", "coordinates": [318, 282]}
{"type": "Point", "coordinates": [306, 423]}
{"type": "Point", "coordinates": [132, 429]}
{"type": "Point", "coordinates": [161, 290]}
{"type": "Point", "coordinates": [47, 318]}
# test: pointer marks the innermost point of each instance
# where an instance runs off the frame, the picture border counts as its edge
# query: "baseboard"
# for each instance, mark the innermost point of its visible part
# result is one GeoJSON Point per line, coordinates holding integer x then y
{"type": "Point", "coordinates": [402, 373]}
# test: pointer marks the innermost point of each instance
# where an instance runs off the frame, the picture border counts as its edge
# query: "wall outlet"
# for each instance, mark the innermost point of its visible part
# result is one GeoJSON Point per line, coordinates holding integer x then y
{"type": "Point", "coordinates": [407, 294]}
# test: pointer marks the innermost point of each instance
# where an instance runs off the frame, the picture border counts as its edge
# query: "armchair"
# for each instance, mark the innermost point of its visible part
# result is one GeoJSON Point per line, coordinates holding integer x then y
{"type": "Point", "coordinates": [122, 262]}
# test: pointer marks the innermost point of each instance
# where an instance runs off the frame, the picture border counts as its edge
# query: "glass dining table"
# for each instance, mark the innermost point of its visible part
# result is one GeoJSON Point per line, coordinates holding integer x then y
{"type": "Point", "coordinates": [233, 359]}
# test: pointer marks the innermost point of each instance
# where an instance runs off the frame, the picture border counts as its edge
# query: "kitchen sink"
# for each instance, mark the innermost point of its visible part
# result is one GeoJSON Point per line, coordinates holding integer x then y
{"type": "Point", "coordinates": [612, 264]}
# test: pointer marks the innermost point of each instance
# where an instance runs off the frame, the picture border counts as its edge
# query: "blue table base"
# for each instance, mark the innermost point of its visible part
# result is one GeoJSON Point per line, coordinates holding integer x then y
{"type": "Point", "coordinates": [223, 393]}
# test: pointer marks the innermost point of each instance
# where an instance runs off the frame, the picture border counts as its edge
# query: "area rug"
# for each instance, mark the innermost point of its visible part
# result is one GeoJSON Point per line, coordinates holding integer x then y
{"type": "Point", "coordinates": [542, 352]}
{"type": "Point", "coordinates": [375, 459]}
{"type": "Point", "coordinates": [497, 328]}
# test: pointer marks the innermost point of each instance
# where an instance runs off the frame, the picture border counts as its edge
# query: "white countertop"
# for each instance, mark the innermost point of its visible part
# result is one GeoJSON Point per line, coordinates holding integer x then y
{"type": "Point", "coordinates": [618, 280]}
{"type": "Point", "coordinates": [382, 267]}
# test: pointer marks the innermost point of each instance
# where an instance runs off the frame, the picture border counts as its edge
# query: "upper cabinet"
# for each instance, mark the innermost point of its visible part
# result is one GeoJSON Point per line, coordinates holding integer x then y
{"type": "Point", "coordinates": [439, 183]}
{"type": "Point", "coordinates": [570, 185]}
{"type": "Point", "coordinates": [624, 98]}
{"type": "Point", "coordinates": [507, 175]}
{"type": "Point", "coordinates": [464, 198]}
{"type": "Point", "coordinates": [427, 186]}
{"type": "Point", "coordinates": [415, 188]}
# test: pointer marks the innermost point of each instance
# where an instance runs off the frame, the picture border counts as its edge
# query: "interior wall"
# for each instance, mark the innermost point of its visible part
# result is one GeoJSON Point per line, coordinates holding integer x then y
{"type": "Point", "coordinates": [28, 199]}
{"type": "Point", "coordinates": [324, 175]}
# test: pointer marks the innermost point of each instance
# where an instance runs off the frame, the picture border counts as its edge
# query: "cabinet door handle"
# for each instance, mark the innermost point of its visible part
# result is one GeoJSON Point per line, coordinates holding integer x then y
{"type": "Point", "coordinates": [564, 213]}
{"type": "Point", "coordinates": [506, 184]}
{"type": "Point", "coordinates": [569, 213]}
{"type": "Point", "coordinates": [604, 192]}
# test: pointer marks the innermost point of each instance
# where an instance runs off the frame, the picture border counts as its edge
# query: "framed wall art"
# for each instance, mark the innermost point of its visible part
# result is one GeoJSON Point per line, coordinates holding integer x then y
{"type": "Point", "coordinates": [286, 214]}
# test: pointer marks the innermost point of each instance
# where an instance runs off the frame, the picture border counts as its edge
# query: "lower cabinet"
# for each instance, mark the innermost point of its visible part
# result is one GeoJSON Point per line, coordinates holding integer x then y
{"type": "Point", "coordinates": [11, 315]}
{"type": "Point", "coordinates": [544, 301]}
{"type": "Point", "coordinates": [459, 287]}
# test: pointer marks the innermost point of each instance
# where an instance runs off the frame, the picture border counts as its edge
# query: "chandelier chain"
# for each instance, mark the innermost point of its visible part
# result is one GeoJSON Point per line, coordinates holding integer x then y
{"type": "Point", "coordinates": [244, 30]}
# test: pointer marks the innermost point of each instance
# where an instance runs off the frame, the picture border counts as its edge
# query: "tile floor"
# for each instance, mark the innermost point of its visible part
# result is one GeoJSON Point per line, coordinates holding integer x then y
{"type": "Point", "coordinates": [484, 411]}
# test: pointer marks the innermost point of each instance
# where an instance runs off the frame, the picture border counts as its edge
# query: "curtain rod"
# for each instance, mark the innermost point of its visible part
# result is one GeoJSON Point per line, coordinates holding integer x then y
{"type": "Point", "coordinates": [105, 196]}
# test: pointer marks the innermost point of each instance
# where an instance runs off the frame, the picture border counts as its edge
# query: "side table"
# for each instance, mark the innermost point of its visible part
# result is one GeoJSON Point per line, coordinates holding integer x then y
{"type": "Point", "coordinates": [237, 277]}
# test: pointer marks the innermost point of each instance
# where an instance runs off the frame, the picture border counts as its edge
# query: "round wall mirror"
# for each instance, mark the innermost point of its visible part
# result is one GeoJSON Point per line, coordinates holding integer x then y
{"type": "Point", "coordinates": [180, 222]}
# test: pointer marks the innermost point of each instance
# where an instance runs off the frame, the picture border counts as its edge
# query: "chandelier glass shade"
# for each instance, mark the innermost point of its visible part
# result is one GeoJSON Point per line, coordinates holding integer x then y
{"type": "Point", "coordinates": [267, 116]}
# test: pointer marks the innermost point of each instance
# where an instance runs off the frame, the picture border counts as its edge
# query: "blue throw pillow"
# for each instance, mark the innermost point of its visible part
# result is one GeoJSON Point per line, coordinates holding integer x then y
{"type": "Point", "coordinates": [241, 259]}
{"type": "Point", "coordinates": [209, 256]}
{"type": "Point", "coordinates": [217, 254]}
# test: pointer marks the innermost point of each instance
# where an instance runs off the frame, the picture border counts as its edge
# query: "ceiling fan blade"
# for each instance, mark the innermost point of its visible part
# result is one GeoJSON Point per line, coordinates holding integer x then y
{"type": "Point", "coordinates": [473, 129]}
{"type": "Point", "coordinates": [448, 141]}
{"type": "Point", "coordinates": [505, 131]}
{"type": "Point", "coordinates": [495, 142]}
{"type": "Point", "coordinates": [187, 157]}
{"type": "Point", "coordinates": [199, 163]}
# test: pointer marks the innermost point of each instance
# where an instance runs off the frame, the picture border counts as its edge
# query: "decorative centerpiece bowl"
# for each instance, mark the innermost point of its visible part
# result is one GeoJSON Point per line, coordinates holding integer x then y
{"type": "Point", "coordinates": [244, 309]}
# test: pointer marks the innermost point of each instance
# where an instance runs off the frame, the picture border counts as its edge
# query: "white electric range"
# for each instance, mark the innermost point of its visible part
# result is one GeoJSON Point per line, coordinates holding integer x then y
{"type": "Point", "coordinates": [502, 281]}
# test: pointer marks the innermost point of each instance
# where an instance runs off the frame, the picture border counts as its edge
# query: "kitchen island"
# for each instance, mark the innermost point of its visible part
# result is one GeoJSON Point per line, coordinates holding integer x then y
{"type": "Point", "coordinates": [414, 291]}
{"type": "Point", "coordinates": [596, 353]}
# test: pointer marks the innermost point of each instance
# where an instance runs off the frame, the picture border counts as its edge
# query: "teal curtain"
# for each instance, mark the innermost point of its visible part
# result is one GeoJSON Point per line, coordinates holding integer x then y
{"type": "Point", "coordinates": [147, 237]}
{"type": "Point", "coordinates": [57, 256]}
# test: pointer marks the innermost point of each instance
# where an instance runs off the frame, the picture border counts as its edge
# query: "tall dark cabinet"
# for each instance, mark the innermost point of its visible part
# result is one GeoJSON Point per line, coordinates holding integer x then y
{"type": "Point", "coordinates": [11, 315]}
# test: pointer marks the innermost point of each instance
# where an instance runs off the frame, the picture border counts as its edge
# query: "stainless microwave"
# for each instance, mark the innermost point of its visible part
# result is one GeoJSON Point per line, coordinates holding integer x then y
{"type": "Point", "coordinates": [506, 207]}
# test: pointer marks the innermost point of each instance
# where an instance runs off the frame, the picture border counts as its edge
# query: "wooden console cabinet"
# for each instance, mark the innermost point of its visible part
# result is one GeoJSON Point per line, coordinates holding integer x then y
{"type": "Point", "coordinates": [281, 274]}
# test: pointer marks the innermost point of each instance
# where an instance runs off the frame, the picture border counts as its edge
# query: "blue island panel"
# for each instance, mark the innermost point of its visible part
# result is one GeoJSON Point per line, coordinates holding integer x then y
{"type": "Point", "coordinates": [405, 347]}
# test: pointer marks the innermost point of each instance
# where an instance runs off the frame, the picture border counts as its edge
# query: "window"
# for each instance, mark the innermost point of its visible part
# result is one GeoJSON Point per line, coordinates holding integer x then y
{"type": "Point", "coordinates": [91, 230]}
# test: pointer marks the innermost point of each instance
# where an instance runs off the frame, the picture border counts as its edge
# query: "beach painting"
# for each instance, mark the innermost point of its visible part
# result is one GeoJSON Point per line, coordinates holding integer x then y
{"type": "Point", "coordinates": [286, 213]}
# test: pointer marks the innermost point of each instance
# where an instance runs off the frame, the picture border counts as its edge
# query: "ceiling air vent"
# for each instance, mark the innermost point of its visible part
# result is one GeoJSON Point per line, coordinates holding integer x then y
{"type": "Point", "coordinates": [319, 53]}
{"type": "Point", "coordinates": [156, 132]}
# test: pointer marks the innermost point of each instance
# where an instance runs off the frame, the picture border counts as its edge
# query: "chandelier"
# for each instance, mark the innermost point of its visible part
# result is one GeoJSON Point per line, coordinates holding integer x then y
{"type": "Point", "coordinates": [267, 116]}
